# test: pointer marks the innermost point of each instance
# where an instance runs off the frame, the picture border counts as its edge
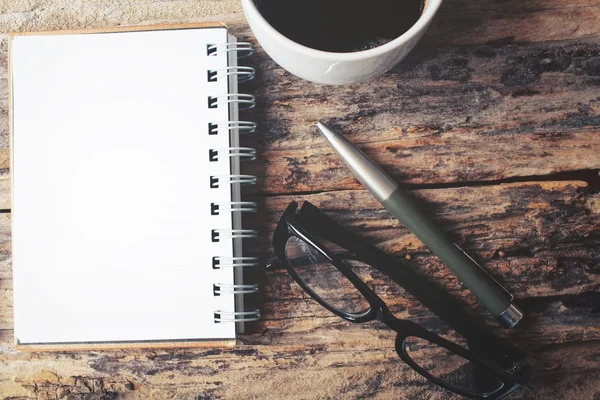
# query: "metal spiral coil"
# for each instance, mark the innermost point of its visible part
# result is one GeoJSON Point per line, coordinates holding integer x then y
{"type": "Point", "coordinates": [224, 288]}
{"type": "Point", "coordinates": [244, 153]}
{"type": "Point", "coordinates": [215, 180]}
{"type": "Point", "coordinates": [240, 126]}
{"type": "Point", "coordinates": [244, 74]}
{"type": "Point", "coordinates": [234, 262]}
{"type": "Point", "coordinates": [232, 206]}
{"type": "Point", "coordinates": [235, 154]}
{"type": "Point", "coordinates": [236, 316]}
{"type": "Point", "coordinates": [218, 234]}
{"type": "Point", "coordinates": [244, 49]}
{"type": "Point", "coordinates": [245, 101]}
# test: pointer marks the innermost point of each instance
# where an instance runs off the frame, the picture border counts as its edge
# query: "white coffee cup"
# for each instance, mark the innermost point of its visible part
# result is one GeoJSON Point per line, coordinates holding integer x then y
{"type": "Point", "coordinates": [336, 68]}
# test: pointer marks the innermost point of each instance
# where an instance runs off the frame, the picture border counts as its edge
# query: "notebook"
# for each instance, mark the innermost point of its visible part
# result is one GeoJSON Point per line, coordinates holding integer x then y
{"type": "Point", "coordinates": [126, 207]}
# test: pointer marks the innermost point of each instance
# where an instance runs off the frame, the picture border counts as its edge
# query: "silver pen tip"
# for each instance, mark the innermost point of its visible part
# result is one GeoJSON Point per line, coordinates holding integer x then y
{"type": "Point", "coordinates": [326, 131]}
{"type": "Point", "coordinates": [511, 316]}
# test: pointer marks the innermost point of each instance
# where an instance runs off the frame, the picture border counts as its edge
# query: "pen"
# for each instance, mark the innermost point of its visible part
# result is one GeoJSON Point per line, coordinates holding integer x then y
{"type": "Point", "coordinates": [490, 293]}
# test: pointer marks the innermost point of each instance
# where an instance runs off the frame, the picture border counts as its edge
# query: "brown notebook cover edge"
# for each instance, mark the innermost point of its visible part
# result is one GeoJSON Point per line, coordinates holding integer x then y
{"type": "Point", "coordinates": [129, 28]}
{"type": "Point", "coordinates": [174, 344]}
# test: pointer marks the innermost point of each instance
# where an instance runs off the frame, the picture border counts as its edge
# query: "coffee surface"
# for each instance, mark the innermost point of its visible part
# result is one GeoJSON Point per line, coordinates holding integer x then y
{"type": "Point", "coordinates": [341, 25]}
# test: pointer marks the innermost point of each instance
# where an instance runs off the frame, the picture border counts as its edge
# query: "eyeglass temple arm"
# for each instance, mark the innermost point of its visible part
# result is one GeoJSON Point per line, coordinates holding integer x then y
{"type": "Point", "coordinates": [431, 295]}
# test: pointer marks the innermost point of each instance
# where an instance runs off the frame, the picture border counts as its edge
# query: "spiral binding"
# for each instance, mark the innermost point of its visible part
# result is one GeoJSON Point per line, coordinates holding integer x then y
{"type": "Point", "coordinates": [224, 288]}
{"type": "Point", "coordinates": [218, 234]}
{"type": "Point", "coordinates": [245, 101]}
{"type": "Point", "coordinates": [234, 262]}
{"type": "Point", "coordinates": [240, 126]}
{"type": "Point", "coordinates": [235, 154]}
{"type": "Point", "coordinates": [215, 180]}
{"type": "Point", "coordinates": [244, 153]}
{"type": "Point", "coordinates": [244, 49]}
{"type": "Point", "coordinates": [232, 206]}
{"type": "Point", "coordinates": [244, 74]}
{"type": "Point", "coordinates": [237, 316]}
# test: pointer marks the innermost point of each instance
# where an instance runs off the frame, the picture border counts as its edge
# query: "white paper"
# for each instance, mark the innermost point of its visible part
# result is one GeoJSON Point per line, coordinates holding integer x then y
{"type": "Point", "coordinates": [111, 196]}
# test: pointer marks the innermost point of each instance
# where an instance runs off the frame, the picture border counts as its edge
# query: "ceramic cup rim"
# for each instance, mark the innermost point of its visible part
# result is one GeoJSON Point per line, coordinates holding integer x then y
{"type": "Point", "coordinates": [429, 11]}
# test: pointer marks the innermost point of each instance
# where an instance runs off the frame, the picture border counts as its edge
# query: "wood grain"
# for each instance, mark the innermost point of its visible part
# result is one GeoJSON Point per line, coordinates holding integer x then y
{"type": "Point", "coordinates": [492, 110]}
{"type": "Point", "coordinates": [548, 232]}
{"type": "Point", "coordinates": [447, 115]}
{"type": "Point", "coordinates": [497, 92]}
{"type": "Point", "coordinates": [466, 22]}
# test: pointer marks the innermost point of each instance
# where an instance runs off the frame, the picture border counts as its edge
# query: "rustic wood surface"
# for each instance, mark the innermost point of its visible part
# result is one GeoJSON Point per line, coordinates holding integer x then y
{"type": "Point", "coordinates": [494, 121]}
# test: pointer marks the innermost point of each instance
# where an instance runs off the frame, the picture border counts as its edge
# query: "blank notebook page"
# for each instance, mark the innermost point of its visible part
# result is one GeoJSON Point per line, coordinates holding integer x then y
{"type": "Point", "coordinates": [111, 193]}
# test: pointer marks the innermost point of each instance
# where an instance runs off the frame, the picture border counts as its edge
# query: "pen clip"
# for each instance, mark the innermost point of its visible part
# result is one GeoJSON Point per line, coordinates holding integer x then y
{"type": "Point", "coordinates": [508, 294]}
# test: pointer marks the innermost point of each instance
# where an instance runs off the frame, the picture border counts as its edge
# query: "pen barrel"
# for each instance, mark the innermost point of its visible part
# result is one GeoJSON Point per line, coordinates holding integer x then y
{"type": "Point", "coordinates": [491, 295]}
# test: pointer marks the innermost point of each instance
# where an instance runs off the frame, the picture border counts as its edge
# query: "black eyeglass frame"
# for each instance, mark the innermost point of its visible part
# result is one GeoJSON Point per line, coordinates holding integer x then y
{"type": "Point", "coordinates": [486, 350]}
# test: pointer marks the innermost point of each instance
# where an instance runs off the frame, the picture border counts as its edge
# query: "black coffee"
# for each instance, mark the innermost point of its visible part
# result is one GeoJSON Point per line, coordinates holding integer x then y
{"type": "Point", "coordinates": [341, 25]}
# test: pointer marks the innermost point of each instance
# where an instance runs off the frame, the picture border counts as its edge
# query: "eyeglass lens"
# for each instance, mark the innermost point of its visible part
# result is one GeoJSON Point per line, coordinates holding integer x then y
{"type": "Point", "coordinates": [450, 368]}
{"type": "Point", "coordinates": [323, 278]}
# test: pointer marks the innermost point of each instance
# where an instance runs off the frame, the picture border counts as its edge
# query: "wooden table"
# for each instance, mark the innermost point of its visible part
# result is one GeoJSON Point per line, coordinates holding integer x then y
{"type": "Point", "coordinates": [494, 121]}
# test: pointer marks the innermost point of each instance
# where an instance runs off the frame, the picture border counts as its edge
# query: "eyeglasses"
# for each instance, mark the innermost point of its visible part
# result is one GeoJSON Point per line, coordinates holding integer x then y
{"type": "Point", "coordinates": [487, 368]}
